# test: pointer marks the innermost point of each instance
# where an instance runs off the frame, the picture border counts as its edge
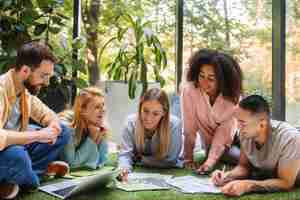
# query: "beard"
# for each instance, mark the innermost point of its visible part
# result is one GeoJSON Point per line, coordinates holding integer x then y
{"type": "Point", "coordinates": [33, 89]}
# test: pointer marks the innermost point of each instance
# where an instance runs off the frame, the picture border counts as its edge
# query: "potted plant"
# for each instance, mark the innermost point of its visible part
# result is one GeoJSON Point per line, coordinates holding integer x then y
{"type": "Point", "coordinates": [139, 59]}
{"type": "Point", "coordinates": [140, 55]}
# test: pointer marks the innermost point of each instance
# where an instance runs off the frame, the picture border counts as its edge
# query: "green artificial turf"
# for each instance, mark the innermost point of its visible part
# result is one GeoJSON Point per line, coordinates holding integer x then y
{"type": "Point", "coordinates": [114, 194]}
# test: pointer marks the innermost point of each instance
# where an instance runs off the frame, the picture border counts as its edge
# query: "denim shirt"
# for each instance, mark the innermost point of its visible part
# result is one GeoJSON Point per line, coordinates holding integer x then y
{"type": "Point", "coordinates": [129, 151]}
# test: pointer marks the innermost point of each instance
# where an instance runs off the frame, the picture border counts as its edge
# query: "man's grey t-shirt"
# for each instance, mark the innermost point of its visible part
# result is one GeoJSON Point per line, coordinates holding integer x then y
{"type": "Point", "coordinates": [282, 146]}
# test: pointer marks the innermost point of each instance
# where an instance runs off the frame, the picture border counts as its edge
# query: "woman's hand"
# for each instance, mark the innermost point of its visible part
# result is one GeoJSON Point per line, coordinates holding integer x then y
{"type": "Point", "coordinates": [97, 133]}
{"type": "Point", "coordinates": [206, 167]}
{"type": "Point", "coordinates": [189, 164]}
{"type": "Point", "coordinates": [123, 176]}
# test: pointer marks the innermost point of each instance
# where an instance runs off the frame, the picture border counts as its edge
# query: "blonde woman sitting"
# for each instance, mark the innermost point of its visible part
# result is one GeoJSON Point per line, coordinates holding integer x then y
{"type": "Point", "coordinates": [88, 145]}
{"type": "Point", "coordinates": [152, 137]}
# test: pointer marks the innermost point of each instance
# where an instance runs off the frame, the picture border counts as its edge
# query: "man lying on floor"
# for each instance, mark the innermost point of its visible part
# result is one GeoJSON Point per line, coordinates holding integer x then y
{"type": "Point", "coordinates": [269, 147]}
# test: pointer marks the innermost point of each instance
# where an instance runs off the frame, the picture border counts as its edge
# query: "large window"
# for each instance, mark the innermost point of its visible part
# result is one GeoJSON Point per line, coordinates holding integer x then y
{"type": "Point", "coordinates": [293, 62]}
{"type": "Point", "coordinates": [240, 27]}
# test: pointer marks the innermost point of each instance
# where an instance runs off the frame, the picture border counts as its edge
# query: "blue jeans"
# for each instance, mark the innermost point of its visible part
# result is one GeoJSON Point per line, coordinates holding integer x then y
{"type": "Point", "coordinates": [24, 164]}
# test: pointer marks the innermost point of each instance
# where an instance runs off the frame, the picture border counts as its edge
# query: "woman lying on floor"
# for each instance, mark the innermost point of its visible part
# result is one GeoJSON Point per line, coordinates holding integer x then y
{"type": "Point", "coordinates": [152, 137]}
{"type": "Point", "coordinates": [209, 100]}
{"type": "Point", "coordinates": [87, 146]}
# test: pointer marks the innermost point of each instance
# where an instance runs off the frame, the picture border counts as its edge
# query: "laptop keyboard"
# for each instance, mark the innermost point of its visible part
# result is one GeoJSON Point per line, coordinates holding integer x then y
{"type": "Point", "coordinates": [65, 191]}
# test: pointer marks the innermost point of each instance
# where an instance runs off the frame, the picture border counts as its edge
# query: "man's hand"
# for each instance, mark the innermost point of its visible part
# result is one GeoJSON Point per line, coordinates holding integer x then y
{"type": "Point", "coordinates": [236, 188]}
{"type": "Point", "coordinates": [219, 178]}
{"type": "Point", "coordinates": [46, 135]}
{"type": "Point", "coordinates": [54, 124]}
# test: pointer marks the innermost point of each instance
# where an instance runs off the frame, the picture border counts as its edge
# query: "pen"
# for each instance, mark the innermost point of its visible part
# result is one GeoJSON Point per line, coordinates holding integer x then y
{"type": "Point", "coordinates": [224, 168]}
{"type": "Point", "coordinates": [222, 172]}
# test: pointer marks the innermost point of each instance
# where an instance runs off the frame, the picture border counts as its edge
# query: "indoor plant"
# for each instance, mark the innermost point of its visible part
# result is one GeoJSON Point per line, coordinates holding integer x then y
{"type": "Point", "coordinates": [139, 57]}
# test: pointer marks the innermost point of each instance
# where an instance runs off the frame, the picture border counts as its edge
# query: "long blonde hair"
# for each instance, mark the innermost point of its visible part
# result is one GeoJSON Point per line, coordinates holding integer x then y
{"type": "Point", "coordinates": [163, 131]}
{"type": "Point", "coordinates": [84, 97]}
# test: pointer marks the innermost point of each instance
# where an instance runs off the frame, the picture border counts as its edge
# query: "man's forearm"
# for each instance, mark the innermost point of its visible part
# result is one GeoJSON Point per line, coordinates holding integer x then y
{"type": "Point", "coordinates": [270, 185]}
{"type": "Point", "coordinates": [239, 172]}
{"type": "Point", "coordinates": [21, 138]}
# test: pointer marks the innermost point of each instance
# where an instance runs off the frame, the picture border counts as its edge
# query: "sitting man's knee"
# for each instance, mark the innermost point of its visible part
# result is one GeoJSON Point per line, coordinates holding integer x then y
{"type": "Point", "coordinates": [17, 156]}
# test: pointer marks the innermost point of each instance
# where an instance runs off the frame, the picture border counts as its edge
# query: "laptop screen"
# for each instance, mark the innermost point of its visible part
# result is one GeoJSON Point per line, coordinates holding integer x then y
{"type": "Point", "coordinates": [64, 191]}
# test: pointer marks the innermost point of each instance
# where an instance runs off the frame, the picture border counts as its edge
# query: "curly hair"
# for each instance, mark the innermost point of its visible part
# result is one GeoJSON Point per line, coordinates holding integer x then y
{"type": "Point", "coordinates": [228, 72]}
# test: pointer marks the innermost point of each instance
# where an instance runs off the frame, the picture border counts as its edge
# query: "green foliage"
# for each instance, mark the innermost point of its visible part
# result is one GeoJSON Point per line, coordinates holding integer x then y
{"type": "Point", "coordinates": [26, 20]}
{"type": "Point", "coordinates": [67, 65]}
{"type": "Point", "coordinates": [140, 51]}
{"type": "Point", "coordinates": [208, 27]}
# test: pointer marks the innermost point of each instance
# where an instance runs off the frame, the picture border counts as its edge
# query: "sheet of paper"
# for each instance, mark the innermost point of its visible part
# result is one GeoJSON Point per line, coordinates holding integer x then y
{"type": "Point", "coordinates": [192, 184]}
{"type": "Point", "coordinates": [145, 181]}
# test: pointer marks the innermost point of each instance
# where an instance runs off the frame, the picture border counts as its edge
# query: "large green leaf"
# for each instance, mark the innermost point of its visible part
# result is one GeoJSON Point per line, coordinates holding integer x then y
{"type": "Point", "coordinates": [56, 19]}
{"type": "Point", "coordinates": [132, 84]}
{"type": "Point", "coordinates": [63, 16]}
{"type": "Point", "coordinates": [39, 29]}
{"type": "Point", "coordinates": [81, 83]}
{"type": "Point", "coordinates": [129, 19]}
{"type": "Point", "coordinates": [29, 16]}
{"type": "Point", "coordinates": [78, 42]}
{"type": "Point", "coordinates": [121, 33]}
{"type": "Point", "coordinates": [54, 29]}
{"type": "Point", "coordinates": [158, 57]}
{"type": "Point", "coordinates": [164, 58]}
{"type": "Point", "coordinates": [80, 65]}
{"type": "Point", "coordinates": [117, 74]}
{"type": "Point", "coordinates": [111, 69]}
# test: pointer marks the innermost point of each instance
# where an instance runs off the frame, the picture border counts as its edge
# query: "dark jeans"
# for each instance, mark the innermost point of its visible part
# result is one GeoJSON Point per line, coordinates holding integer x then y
{"type": "Point", "coordinates": [24, 164]}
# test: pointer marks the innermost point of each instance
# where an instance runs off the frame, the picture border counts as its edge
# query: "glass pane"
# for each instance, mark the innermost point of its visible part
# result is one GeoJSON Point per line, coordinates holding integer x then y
{"type": "Point", "coordinates": [293, 62]}
{"type": "Point", "coordinates": [242, 28]}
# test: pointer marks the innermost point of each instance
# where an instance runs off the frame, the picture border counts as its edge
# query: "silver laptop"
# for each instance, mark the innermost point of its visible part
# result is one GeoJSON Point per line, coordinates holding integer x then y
{"type": "Point", "coordinates": [70, 188]}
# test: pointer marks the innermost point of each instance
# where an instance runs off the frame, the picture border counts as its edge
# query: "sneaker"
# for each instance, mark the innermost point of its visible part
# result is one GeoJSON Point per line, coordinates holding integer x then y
{"type": "Point", "coordinates": [8, 190]}
{"type": "Point", "coordinates": [57, 168]}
